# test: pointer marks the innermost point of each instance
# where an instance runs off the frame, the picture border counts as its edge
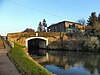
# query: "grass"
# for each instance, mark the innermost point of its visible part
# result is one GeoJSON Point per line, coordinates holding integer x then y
{"type": "Point", "coordinates": [25, 65]}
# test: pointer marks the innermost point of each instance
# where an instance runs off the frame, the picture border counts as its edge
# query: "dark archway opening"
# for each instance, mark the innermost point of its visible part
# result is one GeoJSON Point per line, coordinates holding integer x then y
{"type": "Point", "coordinates": [36, 45]}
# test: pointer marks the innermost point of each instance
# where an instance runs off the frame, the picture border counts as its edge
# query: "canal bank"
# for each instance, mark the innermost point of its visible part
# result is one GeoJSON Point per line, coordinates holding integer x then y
{"type": "Point", "coordinates": [25, 65]}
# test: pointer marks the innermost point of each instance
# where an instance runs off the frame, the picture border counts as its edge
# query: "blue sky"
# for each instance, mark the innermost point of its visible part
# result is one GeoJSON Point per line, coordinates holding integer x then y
{"type": "Point", "coordinates": [17, 15]}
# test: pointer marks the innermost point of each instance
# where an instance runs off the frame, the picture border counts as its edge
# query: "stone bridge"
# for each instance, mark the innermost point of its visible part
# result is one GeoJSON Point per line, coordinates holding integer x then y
{"type": "Point", "coordinates": [36, 38]}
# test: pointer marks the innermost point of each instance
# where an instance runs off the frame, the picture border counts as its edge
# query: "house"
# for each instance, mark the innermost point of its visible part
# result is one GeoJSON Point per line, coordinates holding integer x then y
{"type": "Point", "coordinates": [66, 26]}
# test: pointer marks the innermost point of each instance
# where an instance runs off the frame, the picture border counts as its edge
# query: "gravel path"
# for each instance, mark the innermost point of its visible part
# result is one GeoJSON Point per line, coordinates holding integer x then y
{"type": "Point", "coordinates": [6, 66]}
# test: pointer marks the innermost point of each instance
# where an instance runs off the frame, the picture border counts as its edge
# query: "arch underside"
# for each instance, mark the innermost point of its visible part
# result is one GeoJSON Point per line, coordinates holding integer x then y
{"type": "Point", "coordinates": [34, 44]}
{"type": "Point", "coordinates": [37, 39]}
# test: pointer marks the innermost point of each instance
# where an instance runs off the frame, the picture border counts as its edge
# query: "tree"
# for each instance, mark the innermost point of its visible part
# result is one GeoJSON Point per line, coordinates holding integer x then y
{"type": "Point", "coordinates": [99, 18]}
{"type": "Point", "coordinates": [82, 21]}
{"type": "Point", "coordinates": [44, 25]}
{"type": "Point", "coordinates": [97, 26]}
{"type": "Point", "coordinates": [92, 21]}
{"type": "Point", "coordinates": [40, 27]}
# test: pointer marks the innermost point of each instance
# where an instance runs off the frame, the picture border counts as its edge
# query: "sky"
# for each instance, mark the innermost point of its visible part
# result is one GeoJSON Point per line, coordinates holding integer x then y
{"type": "Point", "coordinates": [17, 15]}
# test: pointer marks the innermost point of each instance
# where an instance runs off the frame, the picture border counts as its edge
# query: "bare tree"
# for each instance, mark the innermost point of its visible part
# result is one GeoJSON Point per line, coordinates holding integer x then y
{"type": "Point", "coordinates": [82, 21]}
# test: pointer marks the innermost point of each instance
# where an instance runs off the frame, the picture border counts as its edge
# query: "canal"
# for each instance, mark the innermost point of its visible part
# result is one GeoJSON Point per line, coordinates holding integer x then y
{"type": "Point", "coordinates": [70, 63]}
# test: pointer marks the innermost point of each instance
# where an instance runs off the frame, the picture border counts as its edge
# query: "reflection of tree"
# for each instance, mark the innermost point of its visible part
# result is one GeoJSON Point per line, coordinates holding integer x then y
{"type": "Point", "coordinates": [98, 68]}
{"type": "Point", "coordinates": [98, 65]}
{"type": "Point", "coordinates": [91, 63]}
{"type": "Point", "coordinates": [63, 61]}
{"type": "Point", "coordinates": [88, 60]}
{"type": "Point", "coordinates": [90, 67]}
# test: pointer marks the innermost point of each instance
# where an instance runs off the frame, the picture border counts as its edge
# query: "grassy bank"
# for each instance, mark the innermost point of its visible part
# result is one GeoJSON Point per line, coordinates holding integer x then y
{"type": "Point", "coordinates": [25, 65]}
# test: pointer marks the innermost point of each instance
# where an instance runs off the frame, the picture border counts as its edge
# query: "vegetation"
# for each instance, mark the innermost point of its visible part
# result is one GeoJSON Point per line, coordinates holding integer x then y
{"type": "Point", "coordinates": [2, 46]}
{"type": "Point", "coordinates": [68, 45]}
{"type": "Point", "coordinates": [42, 26]}
{"type": "Point", "coordinates": [25, 65]}
{"type": "Point", "coordinates": [29, 30]}
{"type": "Point", "coordinates": [91, 44]}
{"type": "Point", "coordinates": [93, 33]}
{"type": "Point", "coordinates": [82, 21]}
{"type": "Point", "coordinates": [0, 37]}
{"type": "Point", "coordinates": [93, 25]}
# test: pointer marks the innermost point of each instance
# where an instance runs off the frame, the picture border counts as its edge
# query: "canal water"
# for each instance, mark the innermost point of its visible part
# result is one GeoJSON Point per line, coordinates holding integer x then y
{"type": "Point", "coordinates": [70, 63]}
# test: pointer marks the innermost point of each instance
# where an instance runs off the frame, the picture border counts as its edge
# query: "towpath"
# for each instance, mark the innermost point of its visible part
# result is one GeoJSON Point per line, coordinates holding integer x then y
{"type": "Point", "coordinates": [6, 66]}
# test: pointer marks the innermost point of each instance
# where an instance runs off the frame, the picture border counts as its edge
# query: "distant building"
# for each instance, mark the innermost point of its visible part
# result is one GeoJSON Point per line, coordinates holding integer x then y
{"type": "Point", "coordinates": [66, 26]}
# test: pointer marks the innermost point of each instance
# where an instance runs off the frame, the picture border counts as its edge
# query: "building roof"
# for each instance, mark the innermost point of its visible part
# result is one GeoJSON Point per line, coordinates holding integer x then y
{"type": "Point", "coordinates": [64, 22]}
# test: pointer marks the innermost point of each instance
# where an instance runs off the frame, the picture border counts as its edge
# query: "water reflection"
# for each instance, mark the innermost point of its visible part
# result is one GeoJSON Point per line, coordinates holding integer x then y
{"type": "Point", "coordinates": [69, 63]}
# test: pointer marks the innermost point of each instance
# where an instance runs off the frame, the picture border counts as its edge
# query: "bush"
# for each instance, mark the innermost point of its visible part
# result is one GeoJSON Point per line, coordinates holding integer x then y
{"type": "Point", "coordinates": [91, 44]}
{"type": "Point", "coordinates": [54, 45]}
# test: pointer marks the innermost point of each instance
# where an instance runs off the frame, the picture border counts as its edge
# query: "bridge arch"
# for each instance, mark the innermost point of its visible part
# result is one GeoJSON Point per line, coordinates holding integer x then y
{"type": "Point", "coordinates": [36, 38]}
